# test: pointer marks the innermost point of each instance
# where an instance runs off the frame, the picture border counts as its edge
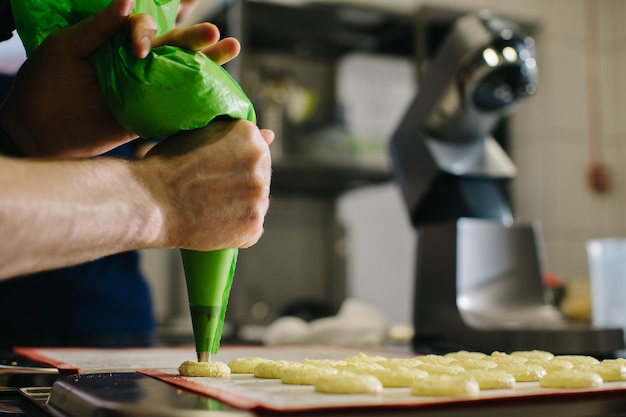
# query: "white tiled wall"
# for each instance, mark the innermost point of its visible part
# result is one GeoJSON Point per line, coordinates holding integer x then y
{"type": "Point", "coordinates": [550, 132]}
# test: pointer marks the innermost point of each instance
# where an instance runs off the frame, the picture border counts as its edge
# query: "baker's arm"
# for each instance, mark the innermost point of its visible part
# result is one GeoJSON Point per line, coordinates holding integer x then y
{"type": "Point", "coordinates": [205, 189]}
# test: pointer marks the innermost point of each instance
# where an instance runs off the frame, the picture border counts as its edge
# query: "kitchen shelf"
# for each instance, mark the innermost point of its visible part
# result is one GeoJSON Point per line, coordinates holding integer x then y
{"type": "Point", "coordinates": [307, 176]}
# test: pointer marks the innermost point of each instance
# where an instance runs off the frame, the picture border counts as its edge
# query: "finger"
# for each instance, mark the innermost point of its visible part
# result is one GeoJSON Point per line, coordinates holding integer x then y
{"type": "Point", "coordinates": [142, 29]}
{"type": "Point", "coordinates": [87, 35]}
{"type": "Point", "coordinates": [223, 51]}
{"type": "Point", "coordinates": [268, 135]}
{"type": "Point", "coordinates": [194, 37]}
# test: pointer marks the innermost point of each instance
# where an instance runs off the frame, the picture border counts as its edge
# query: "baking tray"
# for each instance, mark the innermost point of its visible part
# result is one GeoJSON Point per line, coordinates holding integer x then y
{"type": "Point", "coordinates": [136, 395]}
{"type": "Point", "coordinates": [244, 392]}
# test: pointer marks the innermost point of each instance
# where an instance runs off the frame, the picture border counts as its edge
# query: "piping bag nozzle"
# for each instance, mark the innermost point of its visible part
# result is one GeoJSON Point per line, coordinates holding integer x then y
{"type": "Point", "coordinates": [209, 276]}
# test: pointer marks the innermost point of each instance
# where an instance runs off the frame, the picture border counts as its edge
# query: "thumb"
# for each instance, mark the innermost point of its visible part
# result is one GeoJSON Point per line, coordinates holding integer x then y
{"type": "Point", "coordinates": [88, 34]}
{"type": "Point", "coordinates": [268, 135]}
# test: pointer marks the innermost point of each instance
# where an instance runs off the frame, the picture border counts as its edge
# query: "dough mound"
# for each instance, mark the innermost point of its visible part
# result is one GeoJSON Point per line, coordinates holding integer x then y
{"type": "Point", "coordinates": [471, 364]}
{"type": "Point", "coordinates": [305, 374]}
{"type": "Point", "coordinates": [464, 354]}
{"type": "Point", "coordinates": [492, 379]}
{"type": "Point", "coordinates": [551, 364]}
{"type": "Point", "coordinates": [348, 383]}
{"type": "Point", "coordinates": [212, 369]}
{"type": "Point", "coordinates": [436, 369]}
{"type": "Point", "coordinates": [462, 373]}
{"type": "Point", "coordinates": [360, 367]}
{"type": "Point", "coordinates": [607, 371]}
{"type": "Point", "coordinates": [504, 358]}
{"type": "Point", "coordinates": [579, 359]}
{"type": "Point", "coordinates": [437, 385]}
{"type": "Point", "coordinates": [533, 354]}
{"type": "Point", "coordinates": [523, 372]}
{"type": "Point", "coordinates": [362, 357]}
{"type": "Point", "coordinates": [244, 365]}
{"type": "Point", "coordinates": [272, 369]}
{"type": "Point", "coordinates": [399, 376]}
{"type": "Point", "coordinates": [571, 378]}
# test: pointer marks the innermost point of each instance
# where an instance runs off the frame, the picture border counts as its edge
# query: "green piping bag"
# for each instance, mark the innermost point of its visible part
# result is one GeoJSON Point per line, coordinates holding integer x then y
{"type": "Point", "coordinates": [172, 89]}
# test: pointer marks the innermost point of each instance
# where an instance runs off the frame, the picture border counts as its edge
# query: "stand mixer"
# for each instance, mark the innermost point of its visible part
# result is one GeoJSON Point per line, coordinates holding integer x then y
{"type": "Point", "coordinates": [478, 275]}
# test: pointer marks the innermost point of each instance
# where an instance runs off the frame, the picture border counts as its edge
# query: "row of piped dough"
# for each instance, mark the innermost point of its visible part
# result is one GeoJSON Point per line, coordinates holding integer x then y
{"type": "Point", "coordinates": [461, 373]}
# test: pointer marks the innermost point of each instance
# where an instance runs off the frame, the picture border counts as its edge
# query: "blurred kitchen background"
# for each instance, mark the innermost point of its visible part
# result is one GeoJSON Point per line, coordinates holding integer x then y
{"type": "Point", "coordinates": [333, 78]}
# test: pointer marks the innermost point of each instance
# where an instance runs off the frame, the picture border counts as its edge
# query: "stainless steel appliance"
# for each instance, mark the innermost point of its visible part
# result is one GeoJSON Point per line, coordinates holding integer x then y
{"type": "Point", "coordinates": [478, 275]}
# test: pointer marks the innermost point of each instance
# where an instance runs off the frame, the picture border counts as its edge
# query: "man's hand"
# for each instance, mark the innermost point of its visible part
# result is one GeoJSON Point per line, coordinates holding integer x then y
{"type": "Point", "coordinates": [203, 37]}
{"type": "Point", "coordinates": [57, 109]}
{"type": "Point", "coordinates": [211, 186]}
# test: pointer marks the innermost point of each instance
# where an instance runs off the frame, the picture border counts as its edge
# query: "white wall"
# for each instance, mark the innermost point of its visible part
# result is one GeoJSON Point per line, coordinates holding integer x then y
{"type": "Point", "coordinates": [381, 249]}
{"type": "Point", "coordinates": [551, 135]}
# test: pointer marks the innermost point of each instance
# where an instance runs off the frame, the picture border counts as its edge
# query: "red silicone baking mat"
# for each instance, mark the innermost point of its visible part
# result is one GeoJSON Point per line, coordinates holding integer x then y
{"type": "Point", "coordinates": [96, 360]}
{"type": "Point", "coordinates": [244, 391]}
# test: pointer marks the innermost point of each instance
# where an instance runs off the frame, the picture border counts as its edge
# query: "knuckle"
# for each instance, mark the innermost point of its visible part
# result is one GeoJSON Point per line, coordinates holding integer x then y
{"type": "Point", "coordinates": [255, 220]}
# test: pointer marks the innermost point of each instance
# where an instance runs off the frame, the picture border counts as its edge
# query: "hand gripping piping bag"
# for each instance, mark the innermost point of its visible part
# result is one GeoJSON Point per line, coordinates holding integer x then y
{"type": "Point", "coordinates": [171, 90]}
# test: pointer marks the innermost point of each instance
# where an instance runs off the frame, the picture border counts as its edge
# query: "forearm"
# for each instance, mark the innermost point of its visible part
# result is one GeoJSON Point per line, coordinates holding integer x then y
{"type": "Point", "coordinates": [100, 209]}
{"type": "Point", "coordinates": [204, 189]}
